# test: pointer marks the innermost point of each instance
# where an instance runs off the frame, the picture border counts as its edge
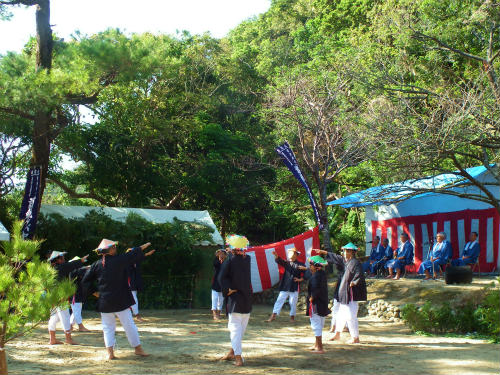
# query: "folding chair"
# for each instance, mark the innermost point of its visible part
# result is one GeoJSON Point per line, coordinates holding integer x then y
{"type": "Point", "coordinates": [473, 266]}
{"type": "Point", "coordinates": [442, 268]}
{"type": "Point", "coordinates": [408, 269]}
{"type": "Point", "coordinates": [381, 270]}
{"type": "Point", "coordinates": [410, 264]}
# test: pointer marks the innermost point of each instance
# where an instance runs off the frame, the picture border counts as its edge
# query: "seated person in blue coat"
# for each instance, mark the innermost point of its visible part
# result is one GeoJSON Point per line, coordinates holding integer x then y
{"type": "Point", "coordinates": [388, 255]}
{"type": "Point", "coordinates": [470, 253]}
{"type": "Point", "coordinates": [376, 254]}
{"type": "Point", "coordinates": [403, 256]}
{"type": "Point", "coordinates": [441, 251]}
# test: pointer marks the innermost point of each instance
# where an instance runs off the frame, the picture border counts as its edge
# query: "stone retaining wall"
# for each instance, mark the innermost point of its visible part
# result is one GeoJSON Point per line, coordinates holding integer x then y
{"type": "Point", "coordinates": [384, 310]}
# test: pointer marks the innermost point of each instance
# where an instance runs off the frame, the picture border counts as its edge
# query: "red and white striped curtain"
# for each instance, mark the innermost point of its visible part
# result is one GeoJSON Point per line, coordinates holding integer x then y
{"type": "Point", "coordinates": [457, 226]}
{"type": "Point", "coordinates": [265, 272]}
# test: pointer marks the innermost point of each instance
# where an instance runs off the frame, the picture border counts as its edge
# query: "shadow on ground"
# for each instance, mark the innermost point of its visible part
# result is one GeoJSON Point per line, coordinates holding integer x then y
{"type": "Point", "coordinates": [189, 342]}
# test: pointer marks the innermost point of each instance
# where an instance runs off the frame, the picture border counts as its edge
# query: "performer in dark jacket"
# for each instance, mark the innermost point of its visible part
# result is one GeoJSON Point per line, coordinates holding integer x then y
{"type": "Point", "coordinates": [317, 300]}
{"type": "Point", "coordinates": [80, 296]}
{"type": "Point", "coordinates": [136, 283]}
{"type": "Point", "coordinates": [237, 288]}
{"type": "Point", "coordinates": [217, 297]}
{"type": "Point", "coordinates": [115, 296]}
{"type": "Point", "coordinates": [63, 269]}
{"type": "Point", "coordinates": [351, 290]}
{"type": "Point", "coordinates": [289, 285]}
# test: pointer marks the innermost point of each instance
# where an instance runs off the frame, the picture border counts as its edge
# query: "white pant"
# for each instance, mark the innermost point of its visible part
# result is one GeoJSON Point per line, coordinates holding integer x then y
{"type": "Point", "coordinates": [76, 315]}
{"type": "Point", "coordinates": [108, 321]}
{"type": "Point", "coordinates": [335, 312]}
{"type": "Point", "coordinates": [62, 315]}
{"type": "Point", "coordinates": [317, 324]}
{"type": "Point", "coordinates": [348, 313]}
{"type": "Point", "coordinates": [237, 325]}
{"type": "Point", "coordinates": [217, 300]}
{"type": "Point", "coordinates": [292, 300]}
{"type": "Point", "coordinates": [135, 307]}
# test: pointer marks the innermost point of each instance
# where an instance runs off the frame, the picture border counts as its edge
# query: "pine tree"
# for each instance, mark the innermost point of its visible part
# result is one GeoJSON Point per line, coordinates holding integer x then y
{"type": "Point", "coordinates": [28, 290]}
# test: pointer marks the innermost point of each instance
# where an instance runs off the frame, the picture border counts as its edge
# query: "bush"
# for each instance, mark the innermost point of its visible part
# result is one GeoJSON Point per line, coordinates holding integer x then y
{"type": "Point", "coordinates": [480, 318]}
{"type": "Point", "coordinates": [488, 315]}
{"type": "Point", "coordinates": [176, 257]}
{"type": "Point", "coordinates": [29, 289]}
{"type": "Point", "coordinates": [428, 318]}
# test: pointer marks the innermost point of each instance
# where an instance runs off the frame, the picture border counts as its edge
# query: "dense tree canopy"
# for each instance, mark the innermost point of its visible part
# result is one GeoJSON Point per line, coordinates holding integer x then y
{"type": "Point", "coordinates": [184, 121]}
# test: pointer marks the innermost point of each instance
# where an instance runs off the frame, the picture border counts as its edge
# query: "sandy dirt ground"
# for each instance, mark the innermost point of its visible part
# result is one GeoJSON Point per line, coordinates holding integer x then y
{"type": "Point", "coordinates": [189, 342]}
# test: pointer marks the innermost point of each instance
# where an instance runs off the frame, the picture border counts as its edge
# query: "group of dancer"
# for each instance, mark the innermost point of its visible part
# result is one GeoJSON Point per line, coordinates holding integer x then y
{"type": "Point", "coordinates": [116, 278]}
{"type": "Point", "coordinates": [232, 277]}
{"type": "Point", "coordinates": [115, 282]}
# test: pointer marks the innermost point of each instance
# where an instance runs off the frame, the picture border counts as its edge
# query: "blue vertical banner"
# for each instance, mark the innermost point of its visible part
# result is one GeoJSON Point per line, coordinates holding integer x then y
{"type": "Point", "coordinates": [290, 161]}
{"type": "Point", "coordinates": [31, 201]}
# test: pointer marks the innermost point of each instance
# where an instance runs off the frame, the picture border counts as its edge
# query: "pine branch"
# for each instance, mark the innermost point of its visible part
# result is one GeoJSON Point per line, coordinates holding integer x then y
{"type": "Point", "coordinates": [82, 99]}
{"type": "Point", "coordinates": [16, 112]}
{"type": "Point", "coordinates": [73, 194]}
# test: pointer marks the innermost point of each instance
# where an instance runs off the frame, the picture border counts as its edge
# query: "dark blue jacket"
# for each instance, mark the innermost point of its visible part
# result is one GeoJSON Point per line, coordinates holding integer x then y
{"type": "Point", "coordinates": [291, 271]}
{"type": "Point", "coordinates": [235, 274]}
{"type": "Point", "coordinates": [318, 290]}
{"type": "Point", "coordinates": [377, 253]}
{"type": "Point", "coordinates": [111, 275]}
{"type": "Point", "coordinates": [389, 253]}
{"type": "Point", "coordinates": [406, 251]}
{"type": "Point", "coordinates": [472, 252]}
{"type": "Point", "coordinates": [215, 281]}
{"type": "Point", "coordinates": [135, 276]}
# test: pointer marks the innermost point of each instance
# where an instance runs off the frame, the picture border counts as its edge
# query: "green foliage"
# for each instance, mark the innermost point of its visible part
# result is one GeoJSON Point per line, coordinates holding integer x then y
{"type": "Point", "coordinates": [351, 225]}
{"type": "Point", "coordinates": [177, 256]}
{"type": "Point", "coordinates": [183, 117]}
{"type": "Point", "coordinates": [9, 208]}
{"type": "Point", "coordinates": [28, 287]}
{"type": "Point", "coordinates": [470, 317]}
{"type": "Point", "coordinates": [488, 313]}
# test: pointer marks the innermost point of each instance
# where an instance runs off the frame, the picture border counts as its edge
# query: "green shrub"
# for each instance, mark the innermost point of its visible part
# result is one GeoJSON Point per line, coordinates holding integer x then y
{"type": "Point", "coordinates": [176, 257]}
{"type": "Point", "coordinates": [488, 314]}
{"type": "Point", "coordinates": [481, 318]}
{"type": "Point", "coordinates": [414, 317]}
{"type": "Point", "coordinates": [465, 319]}
{"type": "Point", "coordinates": [428, 318]}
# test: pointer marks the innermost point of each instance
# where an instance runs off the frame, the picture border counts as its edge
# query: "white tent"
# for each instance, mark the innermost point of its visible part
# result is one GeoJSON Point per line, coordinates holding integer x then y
{"type": "Point", "coordinates": [4, 234]}
{"type": "Point", "coordinates": [152, 215]}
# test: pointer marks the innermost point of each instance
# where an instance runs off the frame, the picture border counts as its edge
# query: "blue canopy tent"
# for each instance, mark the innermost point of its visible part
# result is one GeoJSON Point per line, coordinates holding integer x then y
{"type": "Point", "coordinates": [392, 193]}
{"type": "Point", "coordinates": [420, 208]}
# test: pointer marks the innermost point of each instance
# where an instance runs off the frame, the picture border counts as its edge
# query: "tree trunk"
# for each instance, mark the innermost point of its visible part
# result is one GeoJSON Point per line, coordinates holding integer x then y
{"type": "Point", "coordinates": [3, 362]}
{"type": "Point", "coordinates": [42, 131]}
{"type": "Point", "coordinates": [43, 36]}
{"type": "Point", "coordinates": [323, 217]}
{"type": "Point", "coordinates": [325, 233]}
{"type": "Point", "coordinates": [223, 229]}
